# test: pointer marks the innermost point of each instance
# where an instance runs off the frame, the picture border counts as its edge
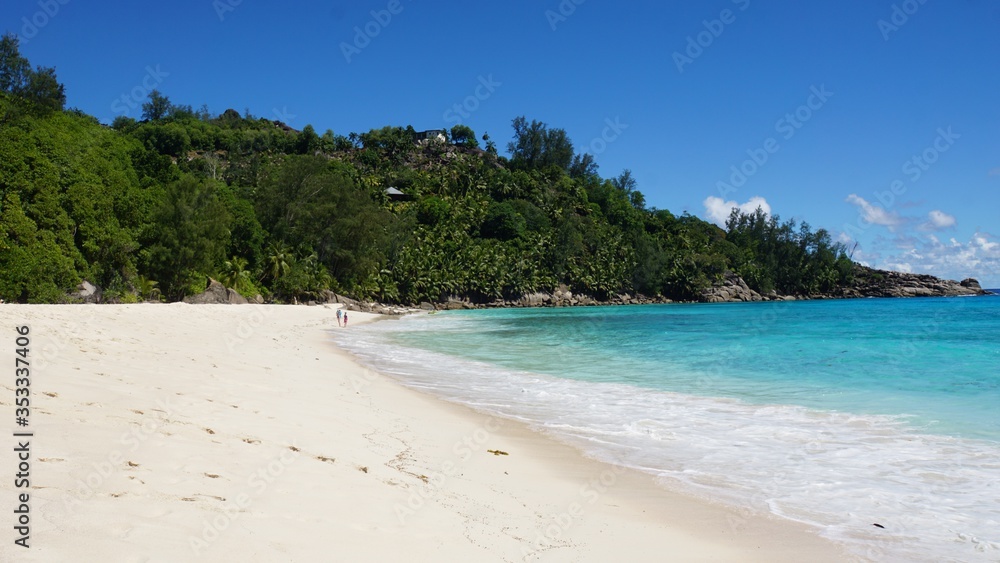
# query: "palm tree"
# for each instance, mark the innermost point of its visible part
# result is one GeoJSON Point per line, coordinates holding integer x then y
{"type": "Point", "coordinates": [235, 274]}
{"type": "Point", "coordinates": [319, 275]}
{"type": "Point", "coordinates": [279, 261]}
{"type": "Point", "coordinates": [147, 288]}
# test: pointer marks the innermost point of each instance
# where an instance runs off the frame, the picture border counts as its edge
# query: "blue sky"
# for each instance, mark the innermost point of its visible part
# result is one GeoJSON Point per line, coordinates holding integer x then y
{"type": "Point", "coordinates": [876, 120]}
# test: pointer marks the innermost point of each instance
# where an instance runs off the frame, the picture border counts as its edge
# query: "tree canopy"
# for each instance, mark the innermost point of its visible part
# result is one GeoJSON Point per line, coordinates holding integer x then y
{"type": "Point", "coordinates": [38, 90]}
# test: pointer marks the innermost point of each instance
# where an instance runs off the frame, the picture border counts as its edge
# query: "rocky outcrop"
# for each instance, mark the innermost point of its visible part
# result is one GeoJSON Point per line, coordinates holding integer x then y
{"type": "Point", "coordinates": [215, 294]}
{"type": "Point", "coordinates": [351, 304]}
{"type": "Point", "coordinates": [867, 283]}
{"type": "Point", "coordinates": [455, 303]}
{"type": "Point", "coordinates": [88, 292]}
{"type": "Point", "coordinates": [347, 302]}
{"type": "Point", "coordinates": [235, 298]}
{"type": "Point", "coordinates": [562, 296]}
{"type": "Point", "coordinates": [537, 299]}
{"type": "Point", "coordinates": [730, 288]}
{"type": "Point", "coordinates": [971, 283]}
{"type": "Point", "coordinates": [881, 283]}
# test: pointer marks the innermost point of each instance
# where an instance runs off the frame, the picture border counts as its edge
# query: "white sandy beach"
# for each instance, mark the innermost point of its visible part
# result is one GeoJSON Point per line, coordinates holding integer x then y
{"type": "Point", "coordinates": [240, 433]}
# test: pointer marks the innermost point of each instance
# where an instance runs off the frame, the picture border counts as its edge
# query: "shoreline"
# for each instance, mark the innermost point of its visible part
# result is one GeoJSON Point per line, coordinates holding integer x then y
{"type": "Point", "coordinates": [723, 531]}
{"type": "Point", "coordinates": [180, 430]}
{"type": "Point", "coordinates": [546, 302]}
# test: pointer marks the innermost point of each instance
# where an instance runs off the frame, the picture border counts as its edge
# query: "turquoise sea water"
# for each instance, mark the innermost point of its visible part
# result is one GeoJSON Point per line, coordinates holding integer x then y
{"type": "Point", "coordinates": [839, 414]}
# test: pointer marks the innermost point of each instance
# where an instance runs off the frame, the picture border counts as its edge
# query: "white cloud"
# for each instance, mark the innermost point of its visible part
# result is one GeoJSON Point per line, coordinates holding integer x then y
{"type": "Point", "coordinates": [717, 210]}
{"type": "Point", "coordinates": [938, 221]}
{"type": "Point", "coordinates": [896, 266]}
{"type": "Point", "coordinates": [873, 214]}
{"type": "Point", "coordinates": [980, 241]}
{"type": "Point", "coordinates": [978, 258]}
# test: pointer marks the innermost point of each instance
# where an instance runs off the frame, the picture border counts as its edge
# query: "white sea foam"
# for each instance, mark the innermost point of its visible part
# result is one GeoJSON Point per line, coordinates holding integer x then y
{"type": "Point", "coordinates": [937, 497]}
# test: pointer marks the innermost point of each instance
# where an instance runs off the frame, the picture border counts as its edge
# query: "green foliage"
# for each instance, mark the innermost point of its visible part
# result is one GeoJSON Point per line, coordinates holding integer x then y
{"type": "Point", "coordinates": [309, 203]}
{"type": "Point", "coordinates": [189, 234]}
{"type": "Point", "coordinates": [308, 141]}
{"type": "Point", "coordinates": [169, 139]}
{"type": "Point", "coordinates": [535, 219]}
{"type": "Point", "coordinates": [393, 142]}
{"type": "Point", "coordinates": [433, 210]}
{"type": "Point", "coordinates": [247, 237]}
{"type": "Point", "coordinates": [183, 194]}
{"type": "Point", "coordinates": [147, 289]}
{"type": "Point", "coordinates": [537, 146]}
{"type": "Point", "coordinates": [464, 136]}
{"type": "Point", "coordinates": [14, 69]}
{"type": "Point", "coordinates": [583, 166]}
{"type": "Point", "coordinates": [234, 274]}
{"type": "Point", "coordinates": [33, 266]}
{"type": "Point", "coordinates": [503, 222]}
{"type": "Point", "coordinates": [38, 90]}
{"type": "Point", "coordinates": [785, 257]}
{"type": "Point", "coordinates": [156, 107]}
{"type": "Point", "coordinates": [491, 147]}
{"type": "Point", "coordinates": [124, 124]}
{"type": "Point", "coordinates": [75, 180]}
{"type": "Point", "coordinates": [279, 261]}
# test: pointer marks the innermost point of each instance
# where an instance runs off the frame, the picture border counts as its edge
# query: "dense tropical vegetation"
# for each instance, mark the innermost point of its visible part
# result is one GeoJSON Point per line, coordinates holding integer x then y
{"type": "Point", "coordinates": [152, 207]}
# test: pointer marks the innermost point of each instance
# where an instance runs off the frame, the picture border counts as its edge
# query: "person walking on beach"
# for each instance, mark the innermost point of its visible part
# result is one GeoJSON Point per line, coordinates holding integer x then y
{"type": "Point", "coordinates": [345, 319]}
{"type": "Point", "coordinates": [340, 315]}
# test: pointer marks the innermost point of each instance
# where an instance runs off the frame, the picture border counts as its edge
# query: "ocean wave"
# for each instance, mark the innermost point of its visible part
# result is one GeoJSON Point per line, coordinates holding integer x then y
{"type": "Point", "coordinates": [936, 497]}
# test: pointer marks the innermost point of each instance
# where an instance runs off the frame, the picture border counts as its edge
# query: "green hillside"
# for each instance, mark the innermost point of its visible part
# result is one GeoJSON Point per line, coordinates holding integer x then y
{"type": "Point", "coordinates": [151, 208]}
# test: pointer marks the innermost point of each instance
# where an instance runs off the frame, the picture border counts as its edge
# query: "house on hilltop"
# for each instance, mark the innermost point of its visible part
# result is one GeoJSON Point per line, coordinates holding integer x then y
{"type": "Point", "coordinates": [435, 134]}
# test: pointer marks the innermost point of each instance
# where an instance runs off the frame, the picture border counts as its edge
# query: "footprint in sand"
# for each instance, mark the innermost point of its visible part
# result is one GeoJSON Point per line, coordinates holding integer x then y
{"type": "Point", "coordinates": [190, 499]}
{"type": "Point", "coordinates": [251, 441]}
{"type": "Point", "coordinates": [326, 459]}
{"type": "Point", "coordinates": [211, 476]}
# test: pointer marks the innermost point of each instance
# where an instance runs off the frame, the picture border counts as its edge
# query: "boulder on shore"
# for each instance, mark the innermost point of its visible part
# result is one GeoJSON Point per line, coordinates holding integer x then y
{"type": "Point", "coordinates": [235, 298]}
{"type": "Point", "coordinates": [215, 294]}
{"type": "Point", "coordinates": [88, 292]}
{"type": "Point", "coordinates": [535, 300]}
{"type": "Point", "coordinates": [971, 283]}
{"type": "Point", "coordinates": [730, 288]}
